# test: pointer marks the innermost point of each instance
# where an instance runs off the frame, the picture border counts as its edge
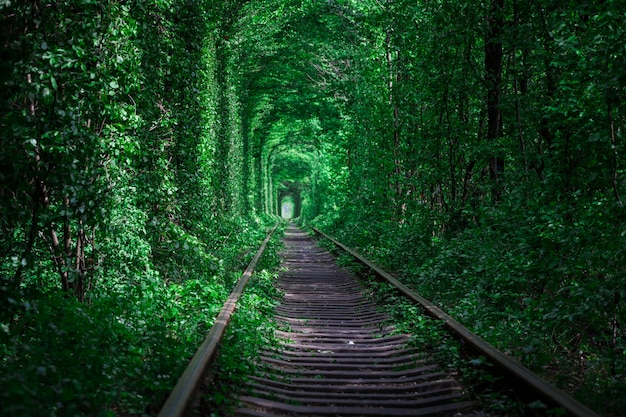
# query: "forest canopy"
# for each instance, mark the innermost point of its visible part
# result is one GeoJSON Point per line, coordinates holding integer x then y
{"type": "Point", "coordinates": [475, 148]}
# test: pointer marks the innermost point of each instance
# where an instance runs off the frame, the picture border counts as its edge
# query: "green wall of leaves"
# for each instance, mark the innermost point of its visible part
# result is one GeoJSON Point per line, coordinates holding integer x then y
{"type": "Point", "coordinates": [484, 163]}
{"type": "Point", "coordinates": [121, 198]}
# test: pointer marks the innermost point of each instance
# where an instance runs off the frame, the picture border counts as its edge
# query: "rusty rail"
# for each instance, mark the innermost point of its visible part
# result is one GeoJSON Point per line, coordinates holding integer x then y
{"type": "Point", "coordinates": [522, 374]}
{"type": "Point", "coordinates": [179, 401]}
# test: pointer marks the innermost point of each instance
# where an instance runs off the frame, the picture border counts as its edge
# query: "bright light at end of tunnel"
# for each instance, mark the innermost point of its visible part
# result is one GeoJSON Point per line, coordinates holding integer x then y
{"type": "Point", "coordinates": [287, 208]}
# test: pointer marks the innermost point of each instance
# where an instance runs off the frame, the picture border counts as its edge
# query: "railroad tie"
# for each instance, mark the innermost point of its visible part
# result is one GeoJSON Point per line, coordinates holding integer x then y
{"type": "Point", "coordinates": [338, 355]}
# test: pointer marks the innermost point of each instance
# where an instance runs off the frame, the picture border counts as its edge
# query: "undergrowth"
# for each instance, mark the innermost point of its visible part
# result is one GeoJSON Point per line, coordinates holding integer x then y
{"type": "Point", "coordinates": [251, 329]}
{"type": "Point", "coordinates": [121, 352]}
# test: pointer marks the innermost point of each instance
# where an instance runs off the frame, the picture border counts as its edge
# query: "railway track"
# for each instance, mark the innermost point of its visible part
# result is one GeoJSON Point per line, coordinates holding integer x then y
{"type": "Point", "coordinates": [339, 355]}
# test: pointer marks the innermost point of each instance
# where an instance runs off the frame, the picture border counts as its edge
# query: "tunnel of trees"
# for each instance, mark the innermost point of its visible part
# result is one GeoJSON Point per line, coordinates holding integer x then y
{"type": "Point", "coordinates": [475, 148]}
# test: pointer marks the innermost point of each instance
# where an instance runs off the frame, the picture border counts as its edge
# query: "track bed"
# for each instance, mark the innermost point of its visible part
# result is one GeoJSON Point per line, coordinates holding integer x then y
{"type": "Point", "coordinates": [338, 354]}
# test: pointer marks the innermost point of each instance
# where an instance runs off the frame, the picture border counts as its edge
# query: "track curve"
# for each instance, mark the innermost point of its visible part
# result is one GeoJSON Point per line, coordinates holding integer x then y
{"type": "Point", "coordinates": [338, 354]}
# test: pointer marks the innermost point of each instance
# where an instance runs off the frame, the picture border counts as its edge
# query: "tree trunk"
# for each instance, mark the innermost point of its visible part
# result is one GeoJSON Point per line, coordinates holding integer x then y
{"type": "Point", "coordinates": [493, 70]}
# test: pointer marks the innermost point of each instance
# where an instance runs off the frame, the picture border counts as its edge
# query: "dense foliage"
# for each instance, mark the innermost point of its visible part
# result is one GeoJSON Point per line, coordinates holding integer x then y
{"type": "Point", "coordinates": [121, 198]}
{"type": "Point", "coordinates": [483, 161]}
{"type": "Point", "coordinates": [475, 147]}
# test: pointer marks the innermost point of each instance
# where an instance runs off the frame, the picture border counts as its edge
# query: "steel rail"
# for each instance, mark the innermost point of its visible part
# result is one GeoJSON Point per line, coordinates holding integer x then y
{"type": "Point", "coordinates": [179, 401]}
{"type": "Point", "coordinates": [540, 386]}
